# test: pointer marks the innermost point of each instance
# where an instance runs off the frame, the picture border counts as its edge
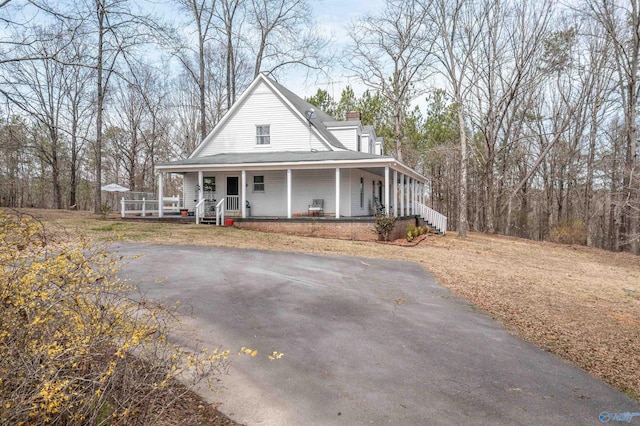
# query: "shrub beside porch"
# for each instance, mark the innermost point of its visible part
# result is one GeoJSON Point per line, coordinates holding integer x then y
{"type": "Point", "coordinates": [359, 229]}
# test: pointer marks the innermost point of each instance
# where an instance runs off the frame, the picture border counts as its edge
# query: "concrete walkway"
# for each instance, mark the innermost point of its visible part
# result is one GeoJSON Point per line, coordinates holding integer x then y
{"type": "Point", "coordinates": [366, 341]}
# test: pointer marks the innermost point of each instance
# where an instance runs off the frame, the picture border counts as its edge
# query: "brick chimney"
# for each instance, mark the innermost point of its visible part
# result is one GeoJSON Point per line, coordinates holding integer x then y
{"type": "Point", "coordinates": [353, 116]}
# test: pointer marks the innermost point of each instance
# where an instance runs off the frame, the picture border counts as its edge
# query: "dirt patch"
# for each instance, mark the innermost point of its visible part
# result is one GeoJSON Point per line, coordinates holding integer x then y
{"type": "Point", "coordinates": [580, 303]}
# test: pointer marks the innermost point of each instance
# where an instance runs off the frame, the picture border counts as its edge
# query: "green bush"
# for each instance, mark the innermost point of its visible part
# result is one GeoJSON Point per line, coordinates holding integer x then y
{"type": "Point", "coordinates": [105, 209]}
{"type": "Point", "coordinates": [414, 231]}
{"type": "Point", "coordinates": [569, 232]}
{"type": "Point", "coordinates": [384, 226]}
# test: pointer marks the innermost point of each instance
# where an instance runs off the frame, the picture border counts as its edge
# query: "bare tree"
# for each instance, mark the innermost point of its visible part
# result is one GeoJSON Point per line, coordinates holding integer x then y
{"type": "Point", "coordinates": [79, 111]}
{"type": "Point", "coordinates": [391, 53]}
{"type": "Point", "coordinates": [35, 87]}
{"type": "Point", "coordinates": [203, 13]}
{"type": "Point", "coordinates": [229, 13]}
{"type": "Point", "coordinates": [621, 20]}
{"type": "Point", "coordinates": [506, 71]}
{"type": "Point", "coordinates": [286, 36]}
{"type": "Point", "coordinates": [459, 28]}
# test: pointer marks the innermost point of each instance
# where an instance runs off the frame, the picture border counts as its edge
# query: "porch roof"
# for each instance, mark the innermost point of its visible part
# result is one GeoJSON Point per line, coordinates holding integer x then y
{"type": "Point", "coordinates": [286, 159]}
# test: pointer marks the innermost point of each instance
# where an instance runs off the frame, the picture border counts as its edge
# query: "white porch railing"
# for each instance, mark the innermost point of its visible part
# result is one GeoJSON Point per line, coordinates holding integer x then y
{"type": "Point", "coordinates": [146, 207]}
{"type": "Point", "coordinates": [437, 220]}
{"type": "Point", "coordinates": [142, 207]}
{"type": "Point", "coordinates": [233, 203]}
{"type": "Point", "coordinates": [220, 212]}
{"type": "Point", "coordinates": [171, 204]}
{"type": "Point", "coordinates": [199, 211]}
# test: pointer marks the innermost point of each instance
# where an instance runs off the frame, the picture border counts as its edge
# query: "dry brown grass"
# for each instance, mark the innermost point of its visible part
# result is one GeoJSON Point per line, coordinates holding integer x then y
{"type": "Point", "coordinates": [580, 303]}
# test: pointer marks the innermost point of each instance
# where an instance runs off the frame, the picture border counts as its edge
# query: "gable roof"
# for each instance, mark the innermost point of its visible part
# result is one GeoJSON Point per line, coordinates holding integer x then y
{"type": "Point", "coordinates": [297, 104]}
{"type": "Point", "coordinates": [302, 106]}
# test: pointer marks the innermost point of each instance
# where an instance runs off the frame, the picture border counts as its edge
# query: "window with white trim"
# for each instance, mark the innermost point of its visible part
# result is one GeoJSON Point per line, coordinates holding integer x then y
{"type": "Point", "coordinates": [258, 184]}
{"type": "Point", "coordinates": [263, 136]}
{"type": "Point", "coordinates": [209, 183]}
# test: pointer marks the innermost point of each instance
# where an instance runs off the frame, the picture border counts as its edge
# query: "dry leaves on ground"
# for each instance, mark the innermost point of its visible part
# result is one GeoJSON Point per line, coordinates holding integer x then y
{"type": "Point", "coordinates": [580, 303]}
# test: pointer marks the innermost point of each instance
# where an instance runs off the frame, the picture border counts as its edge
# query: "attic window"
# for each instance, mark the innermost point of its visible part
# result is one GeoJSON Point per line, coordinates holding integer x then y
{"type": "Point", "coordinates": [263, 134]}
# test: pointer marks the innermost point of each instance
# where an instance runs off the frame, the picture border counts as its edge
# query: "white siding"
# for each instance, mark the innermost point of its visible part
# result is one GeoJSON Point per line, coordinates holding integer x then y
{"type": "Point", "coordinates": [379, 145]}
{"type": "Point", "coordinates": [306, 186]}
{"type": "Point", "coordinates": [368, 178]}
{"type": "Point", "coordinates": [273, 201]}
{"type": "Point", "coordinates": [288, 132]}
{"type": "Point", "coordinates": [189, 190]}
{"type": "Point", "coordinates": [364, 142]}
{"type": "Point", "coordinates": [348, 136]}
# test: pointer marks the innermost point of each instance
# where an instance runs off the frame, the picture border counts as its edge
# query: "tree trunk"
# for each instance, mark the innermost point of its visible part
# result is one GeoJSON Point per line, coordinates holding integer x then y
{"type": "Point", "coordinates": [100, 6]}
{"type": "Point", "coordinates": [463, 225]}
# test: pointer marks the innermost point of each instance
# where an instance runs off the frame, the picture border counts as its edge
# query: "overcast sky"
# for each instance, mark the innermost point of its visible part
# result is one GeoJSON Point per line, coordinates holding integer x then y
{"type": "Point", "coordinates": [333, 16]}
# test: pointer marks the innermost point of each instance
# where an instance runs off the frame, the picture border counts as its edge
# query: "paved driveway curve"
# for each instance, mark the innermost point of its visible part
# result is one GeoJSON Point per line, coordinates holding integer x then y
{"type": "Point", "coordinates": [366, 341]}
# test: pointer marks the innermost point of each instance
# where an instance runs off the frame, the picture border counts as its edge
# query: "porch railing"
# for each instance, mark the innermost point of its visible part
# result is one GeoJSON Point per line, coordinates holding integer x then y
{"type": "Point", "coordinates": [146, 207]}
{"type": "Point", "coordinates": [220, 212]}
{"type": "Point", "coordinates": [233, 203]}
{"type": "Point", "coordinates": [437, 220]}
{"type": "Point", "coordinates": [142, 207]}
{"type": "Point", "coordinates": [199, 211]}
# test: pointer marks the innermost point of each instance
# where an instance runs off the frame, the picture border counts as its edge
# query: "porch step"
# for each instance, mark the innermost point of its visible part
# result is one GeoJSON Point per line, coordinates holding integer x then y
{"type": "Point", "coordinates": [208, 220]}
{"type": "Point", "coordinates": [434, 228]}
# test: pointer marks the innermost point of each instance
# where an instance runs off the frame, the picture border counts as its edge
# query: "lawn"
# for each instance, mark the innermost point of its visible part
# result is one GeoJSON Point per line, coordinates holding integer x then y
{"type": "Point", "coordinates": [580, 303]}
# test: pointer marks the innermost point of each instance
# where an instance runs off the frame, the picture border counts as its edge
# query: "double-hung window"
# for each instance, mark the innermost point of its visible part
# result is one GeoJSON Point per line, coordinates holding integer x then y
{"type": "Point", "coordinates": [263, 136]}
{"type": "Point", "coordinates": [209, 183]}
{"type": "Point", "coordinates": [258, 184]}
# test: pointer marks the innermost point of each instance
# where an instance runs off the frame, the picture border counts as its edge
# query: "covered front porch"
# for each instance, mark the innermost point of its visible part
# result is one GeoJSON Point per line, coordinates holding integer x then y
{"type": "Point", "coordinates": [290, 185]}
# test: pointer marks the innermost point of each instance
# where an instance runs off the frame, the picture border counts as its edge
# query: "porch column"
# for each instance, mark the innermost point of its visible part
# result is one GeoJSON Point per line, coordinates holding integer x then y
{"type": "Point", "coordinates": [408, 193]}
{"type": "Point", "coordinates": [386, 190]}
{"type": "Point", "coordinates": [395, 193]}
{"type": "Point", "coordinates": [337, 193]}
{"type": "Point", "coordinates": [243, 194]}
{"type": "Point", "coordinates": [289, 193]}
{"type": "Point", "coordinates": [200, 185]}
{"type": "Point", "coordinates": [414, 198]}
{"type": "Point", "coordinates": [160, 194]}
{"type": "Point", "coordinates": [409, 182]}
{"type": "Point", "coordinates": [401, 195]}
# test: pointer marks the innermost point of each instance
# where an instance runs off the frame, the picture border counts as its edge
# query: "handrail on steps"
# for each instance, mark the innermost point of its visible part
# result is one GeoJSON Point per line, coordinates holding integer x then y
{"type": "Point", "coordinates": [199, 211]}
{"type": "Point", "coordinates": [220, 212]}
{"type": "Point", "coordinates": [437, 219]}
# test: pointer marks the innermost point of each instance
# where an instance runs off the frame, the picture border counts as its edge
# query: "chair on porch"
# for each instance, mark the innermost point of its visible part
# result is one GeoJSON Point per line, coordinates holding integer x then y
{"type": "Point", "coordinates": [378, 207]}
{"type": "Point", "coordinates": [317, 207]}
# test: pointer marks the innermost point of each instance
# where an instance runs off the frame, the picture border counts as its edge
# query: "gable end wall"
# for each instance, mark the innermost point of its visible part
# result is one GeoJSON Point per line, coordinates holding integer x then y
{"type": "Point", "coordinates": [238, 133]}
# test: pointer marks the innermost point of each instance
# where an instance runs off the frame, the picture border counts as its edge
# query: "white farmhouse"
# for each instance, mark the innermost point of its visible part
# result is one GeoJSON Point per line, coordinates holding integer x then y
{"type": "Point", "coordinates": [275, 156]}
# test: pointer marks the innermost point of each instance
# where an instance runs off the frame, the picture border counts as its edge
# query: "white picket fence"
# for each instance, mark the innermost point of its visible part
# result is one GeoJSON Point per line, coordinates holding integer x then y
{"type": "Point", "coordinates": [146, 207]}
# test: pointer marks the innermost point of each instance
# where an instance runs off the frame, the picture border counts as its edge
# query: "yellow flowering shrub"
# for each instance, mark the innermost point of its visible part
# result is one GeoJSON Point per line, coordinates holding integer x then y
{"type": "Point", "coordinates": [77, 345]}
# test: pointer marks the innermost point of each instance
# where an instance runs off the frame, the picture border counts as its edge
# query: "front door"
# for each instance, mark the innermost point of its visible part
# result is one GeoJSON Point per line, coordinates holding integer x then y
{"type": "Point", "coordinates": [233, 195]}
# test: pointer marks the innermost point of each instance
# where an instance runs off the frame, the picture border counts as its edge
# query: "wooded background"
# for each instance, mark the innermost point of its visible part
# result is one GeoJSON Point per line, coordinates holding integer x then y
{"type": "Point", "coordinates": [522, 114]}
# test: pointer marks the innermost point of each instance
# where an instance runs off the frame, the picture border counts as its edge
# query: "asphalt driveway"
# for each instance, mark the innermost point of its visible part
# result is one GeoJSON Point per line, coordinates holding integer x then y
{"type": "Point", "coordinates": [366, 341]}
